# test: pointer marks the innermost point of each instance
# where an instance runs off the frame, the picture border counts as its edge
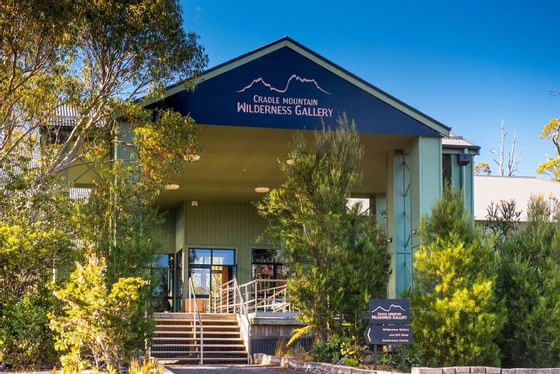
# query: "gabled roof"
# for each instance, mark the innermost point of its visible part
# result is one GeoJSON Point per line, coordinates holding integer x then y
{"type": "Point", "coordinates": [287, 43]}
{"type": "Point", "coordinates": [454, 141]}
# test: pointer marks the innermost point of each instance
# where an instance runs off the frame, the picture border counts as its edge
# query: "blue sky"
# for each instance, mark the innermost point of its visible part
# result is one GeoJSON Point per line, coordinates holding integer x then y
{"type": "Point", "coordinates": [469, 64]}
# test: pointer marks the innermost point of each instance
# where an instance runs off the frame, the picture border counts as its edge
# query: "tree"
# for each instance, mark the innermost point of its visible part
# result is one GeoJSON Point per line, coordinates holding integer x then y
{"type": "Point", "coordinates": [507, 163]}
{"type": "Point", "coordinates": [95, 325]}
{"type": "Point", "coordinates": [337, 258]}
{"type": "Point", "coordinates": [37, 229]}
{"type": "Point", "coordinates": [94, 58]}
{"type": "Point", "coordinates": [529, 285]}
{"type": "Point", "coordinates": [456, 317]}
{"type": "Point", "coordinates": [552, 165]}
{"type": "Point", "coordinates": [482, 168]}
{"type": "Point", "coordinates": [502, 219]}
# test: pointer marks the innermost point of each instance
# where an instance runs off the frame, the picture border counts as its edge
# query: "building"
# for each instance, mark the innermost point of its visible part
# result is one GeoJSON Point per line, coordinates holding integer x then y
{"type": "Point", "coordinates": [249, 109]}
{"type": "Point", "coordinates": [490, 189]}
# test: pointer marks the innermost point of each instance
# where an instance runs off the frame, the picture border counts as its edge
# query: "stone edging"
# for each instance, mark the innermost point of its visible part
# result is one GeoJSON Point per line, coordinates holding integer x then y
{"type": "Point", "coordinates": [317, 367]}
{"type": "Point", "coordinates": [482, 370]}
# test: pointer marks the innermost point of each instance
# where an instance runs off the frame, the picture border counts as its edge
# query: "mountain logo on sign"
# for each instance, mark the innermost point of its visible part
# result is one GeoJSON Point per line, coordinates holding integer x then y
{"type": "Point", "coordinates": [388, 310]}
{"type": "Point", "coordinates": [293, 77]}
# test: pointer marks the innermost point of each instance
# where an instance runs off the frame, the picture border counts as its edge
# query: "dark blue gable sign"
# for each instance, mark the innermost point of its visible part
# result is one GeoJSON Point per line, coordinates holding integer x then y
{"type": "Point", "coordinates": [284, 89]}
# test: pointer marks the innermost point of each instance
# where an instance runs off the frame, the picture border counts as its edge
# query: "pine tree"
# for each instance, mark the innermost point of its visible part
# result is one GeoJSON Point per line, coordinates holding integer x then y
{"type": "Point", "coordinates": [336, 255]}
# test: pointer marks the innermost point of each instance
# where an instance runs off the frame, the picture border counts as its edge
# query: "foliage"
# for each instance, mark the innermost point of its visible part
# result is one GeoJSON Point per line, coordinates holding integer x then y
{"type": "Point", "coordinates": [392, 358]}
{"type": "Point", "coordinates": [94, 327]}
{"type": "Point", "coordinates": [351, 352]}
{"type": "Point", "coordinates": [337, 257]}
{"type": "Point", "coordinates": [482, 168]}
{"type": "Point", "coordinates": [36, 227]}
{"type": "Point", "coordinates": [456, 318]}
{"type": "Point", "coordinates": [150, 366]}
{"type": "Point", "coordinates": [336, 348]}
{"type": "Point", "coordinates": [328, 351]}
{"type": "Point", "coordinates": [96, 58]}
{"type": "Point", "coordinates": [552, 165]}
{"type": "Point", "coordinates": [529, 284]}
{"type": "Point", "coordinates": [119, 221]}
{"type": "Point", "coordinates": [502, 219]}
{"type": "Point", "coordinates": [25, 340]}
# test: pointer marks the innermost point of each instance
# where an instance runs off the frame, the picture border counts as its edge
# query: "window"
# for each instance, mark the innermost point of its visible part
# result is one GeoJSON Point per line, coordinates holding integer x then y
{"type": "Point", "coordinates": [162, 274]}
{"type": "Point", "coordinates": [363, 202]}
{"type": "Point", "coordinates": [446, 169]}
{"type": "Point", "coordinates": [210, 268]}
{"type": "Point", "coordinates": [267, 265]}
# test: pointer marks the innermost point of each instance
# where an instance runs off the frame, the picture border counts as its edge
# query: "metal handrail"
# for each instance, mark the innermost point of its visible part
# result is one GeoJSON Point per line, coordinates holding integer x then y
{"type": "Point", "coordinates": [196, 316]}
{"type": "Point", "coordinates": [243, 316]}
{"type": "Point", "coordinates": [257, 295]}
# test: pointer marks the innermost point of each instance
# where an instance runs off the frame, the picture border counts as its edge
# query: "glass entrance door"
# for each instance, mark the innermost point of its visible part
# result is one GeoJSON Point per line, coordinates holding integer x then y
{"type": "Point", "coordinates": [210, 268]}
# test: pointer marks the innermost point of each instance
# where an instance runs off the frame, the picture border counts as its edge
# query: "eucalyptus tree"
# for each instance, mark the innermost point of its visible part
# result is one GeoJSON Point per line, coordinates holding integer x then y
{"type": "Point", "coordinates": [97, 58]}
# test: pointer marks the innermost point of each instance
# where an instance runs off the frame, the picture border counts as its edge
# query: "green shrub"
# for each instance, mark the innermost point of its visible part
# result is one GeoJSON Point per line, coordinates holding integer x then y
{"type": "Point", "coordinates": [529, 285]}
{"type": "Point", "coordinates": [455, 316]}
{"type": "Point", "coordinates": [95, 328]}
{"type": "Point", "coordinates": [328, 351]}
{"type": "Point", "coordinates": [150, 366]}
{"type": "Point", "coordinates": [25, 339]}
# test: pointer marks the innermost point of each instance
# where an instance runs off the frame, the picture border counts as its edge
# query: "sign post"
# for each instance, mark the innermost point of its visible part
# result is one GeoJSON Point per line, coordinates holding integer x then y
{"type": "Point", "coordinates": [389, 321]}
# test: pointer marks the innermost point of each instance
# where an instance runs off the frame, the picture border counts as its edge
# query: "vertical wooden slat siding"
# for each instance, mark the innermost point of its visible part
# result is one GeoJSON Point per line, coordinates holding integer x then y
{"type": "Point", "coordinates": [225, 225]}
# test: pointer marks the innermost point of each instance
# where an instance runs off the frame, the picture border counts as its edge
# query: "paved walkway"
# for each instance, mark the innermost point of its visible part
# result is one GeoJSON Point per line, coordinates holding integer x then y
{"type": "Point", "coordinates": [230, 369]}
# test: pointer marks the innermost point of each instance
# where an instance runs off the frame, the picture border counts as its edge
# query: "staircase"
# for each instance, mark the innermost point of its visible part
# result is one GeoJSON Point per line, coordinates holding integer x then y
{"type": "Point", "coordinates": [175, 340]}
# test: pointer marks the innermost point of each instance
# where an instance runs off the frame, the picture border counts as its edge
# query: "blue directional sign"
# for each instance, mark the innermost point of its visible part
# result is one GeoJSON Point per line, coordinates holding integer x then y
{"type": "Point", "coordinates": [388, 334]}
{"type": "Point", "coordinates": [389, 311]}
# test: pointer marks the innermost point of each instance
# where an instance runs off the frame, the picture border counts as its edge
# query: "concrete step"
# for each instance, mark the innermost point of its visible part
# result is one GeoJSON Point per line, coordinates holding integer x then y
{"type": "Point", "coordinates": [206, 340]}
{"type": "Point", "coordinates": [175, 339]}
{"type": "Point", "coordinates": [167, 345]}
{"type": "Point", "coordinates": [190, 316]}
{"type": "Point", "coordinates": [210, 353]}
{"type": "Point", "coordinates": [195, 360]}
{"type": "Point", "coordinates": [206, 326]}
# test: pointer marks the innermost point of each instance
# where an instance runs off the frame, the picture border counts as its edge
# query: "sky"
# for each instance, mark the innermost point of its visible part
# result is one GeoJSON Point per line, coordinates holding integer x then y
{"type": "Point", "coordinates": [468, 64]}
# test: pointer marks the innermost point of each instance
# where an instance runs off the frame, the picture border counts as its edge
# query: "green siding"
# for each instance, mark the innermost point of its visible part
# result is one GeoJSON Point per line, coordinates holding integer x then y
{"type": "Point", "coordinates": [427, 176]}
{"type": "Point", "coordinates": [166, 234]}
{"type": "Point", "coordinates": [180, 227]}
{"type": "Point", "coordinates": [225, 225]}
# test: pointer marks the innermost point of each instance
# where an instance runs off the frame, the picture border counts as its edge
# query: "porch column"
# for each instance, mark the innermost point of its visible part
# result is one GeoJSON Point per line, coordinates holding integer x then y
{"type": "Point", "coordinates": [413, 186]}
{"type": "Point", "coordinates": [426, 186]}
{"type": "Point", "coordinates": [399, 220]}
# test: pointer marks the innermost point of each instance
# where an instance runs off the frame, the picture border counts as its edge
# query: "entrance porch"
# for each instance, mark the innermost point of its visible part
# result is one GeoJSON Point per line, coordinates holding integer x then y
{"type": "Point", "coordinates": [212, 232]}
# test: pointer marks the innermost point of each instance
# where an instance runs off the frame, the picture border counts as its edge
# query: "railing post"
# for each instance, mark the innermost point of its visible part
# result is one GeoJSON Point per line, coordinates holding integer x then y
{"type": "Point", "coordinates": [256, 296]}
